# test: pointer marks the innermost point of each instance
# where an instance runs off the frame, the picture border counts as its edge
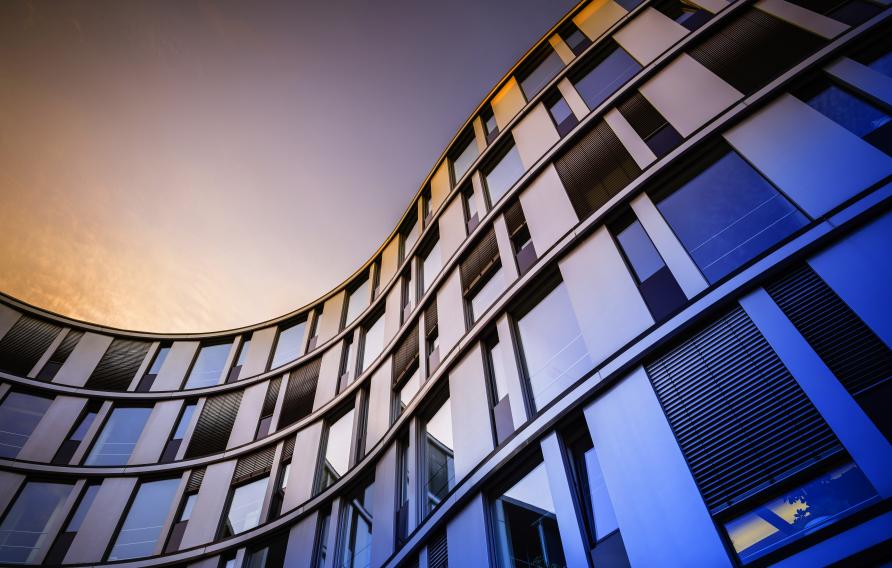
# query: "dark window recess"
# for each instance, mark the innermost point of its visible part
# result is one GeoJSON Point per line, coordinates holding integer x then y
{"type": "Point", "coordinates": [858, 358]}
{"type": "Point", "coordinates": [297, 402]}
{"type": "Point", "coordinates": [236, 369]}
{"type": "Point", "coordinates": [60, 355]}
{"type": "Point", "coordinates": [561, 114]}
{"type": "Point", "coordinates": [148, 379]}
{"type": "Point", "coordinates": [73, 441]}
{"type": "Point", "coordinates": [25, 343]}
{"type": "Point", "coordinates": [754, 48]}
{"type": "Point", "coordinates": [655, 281]}
{"type": "Point", "coordinates": [269, 406]}
{"type": "Point", "coordinates": [405, 356]}
{"type": "Point", "coordinates": [595, 168]}
{"type": "Point", "coordinates": [521, 240]}
{"type": "Point", "coordinates": [438, 551]}
{"type": "Point", "coordinates": [118, 365]}
{"type": "Point", "coordinates": [856, 115]}
{"type": "Point", "coordinates": [253, 465]}
{"type": "Point", "coordinates": [742, 421]}
{"type": "Point", "coordinates": [685, 13]}
{"type": "Point", "coordinates": [650, 125]}
{"type": "Point", "coordinates": [431, 335]}
{"type": "Point", "coordinates": [214, 425]}
{"type": "Point", "coordinates": [573, 37]}
{"type": "Point", "coordinates": [270, 554]}
{"type": "Point", "coordinates": [490, 128]}
{"type": "Point", "coordinates": [472, 215]}
{"type": "Point", "coordinates": [603, 72]}
{"type": "Point", "coordinates": [851, 12]}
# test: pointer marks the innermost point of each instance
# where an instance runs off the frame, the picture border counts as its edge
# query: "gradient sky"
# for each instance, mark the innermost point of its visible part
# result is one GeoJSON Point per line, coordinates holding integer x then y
{"type": "Point", "coordinates": [195, 166]}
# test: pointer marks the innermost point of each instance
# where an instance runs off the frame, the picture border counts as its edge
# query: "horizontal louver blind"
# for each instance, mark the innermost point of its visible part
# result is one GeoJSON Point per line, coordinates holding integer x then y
{"type": "Point", "coordinates": [66, 347]}
{"type": "Point", "coordinates": [405, 357]}
{"type": "Point", "coordinates": [195, 479]}
{"type": "Point", "coordinates": [739, 416]}
{"type": "Point", "coordinates": [300, 392]}
{"type": "Point", "coordinates": [642, 116]}
{"type": "Point", "coordinates": [25, 343]}
{"type": "Point", "coordinates": [118, 366]}
{"type": "Point", "coordinates": [430, 317]}
{"type": "Point", "coordinates": [857, 357]}
{"type": "Point", "coordinates": [595, 169]}
{"type": "Point", "coordinates": [482, 258]}
{"type": "Point", "coordinates": [754, 49]}
{"type": "Point", "coordinates": [272, 394]}
{"type": "Point", "coordinates": [438, 551]}
{"type": "Point", "coordinates": [288, 448]}
{"type": "Point", "coordinates": [214, 425]}
{"type": "Point", "coordinates": [514, 218]}
{"type": "Point", "coordinates": [254, 465]}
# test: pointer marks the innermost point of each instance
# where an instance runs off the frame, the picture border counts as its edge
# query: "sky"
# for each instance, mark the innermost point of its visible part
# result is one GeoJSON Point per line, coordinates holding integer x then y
{"type": "Point", "coordinates": [188, 166]}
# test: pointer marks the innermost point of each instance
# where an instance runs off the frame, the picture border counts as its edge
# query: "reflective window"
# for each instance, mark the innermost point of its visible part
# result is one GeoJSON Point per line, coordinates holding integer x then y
{"type": "Point", "coordinates": [208, 367]}
{"type": "Point", "coordinates": [560, 112]}
{"type": "Point", "coordinates": [484, 297]}
{"type": "Point", "coordinates": [176, 439]}
{"type": "Point", "coordinates": [526, 528]}
{"type": "Point", "coordinates": [141, 530]}
{"type": "Point", "coordinates": [856, 115]}
{"type": "Point", "coordinates": [236, 369]}
{"type": "Point", "coordinates": [23, 530]}
{"type": "Point", "coordinates": [607, 75]}
{"type": "Point", "coordinates": [728, 214]}
{"type": "Point", "coordinates": [440, 463]}
{"type": "Point", "coordinates": [502, 175]}
{"type": "Point", "coordinates": [499, 376]}
{"type": "Point", "coordinates": [71, 444]}
{"type": "Point", "coordinates": [163, 352]}
{"type": "Point", "coordinates": [410, 235]}
{"type": "Point", "coordinates": [373, 343]}
{"type": "Point", "coordinates": [553, 348]}
{"type": "Point", "coordinates": [489, 124]}
{"type": "Point", "coordinates": [118, 437]}
{"type": "Point", "coordinates": [83, 507]}
{"type": "Point", "coordinates": [357, 552]}
{"type": "Point", "coordinates": [548, 65]}
{"type": "Point", "coordinates": [338, 443]}
{"type": "Point", "coordinates": [57, 552]}
{"type": "Point", "coordinates": [799, 512]}
{"type": "Point", "coordinates": [19, 415]}
{"type": "Point", "coordinates": [409, 389]}
{"type": "Point", "coordinates": [882, 64]}
{"type": "Point", "coordinates": [289, 344]}
{"type": "Point", "coordinates": [473, 210]}
{"type": "Point", "coordinates": [245, 507]}
{"type": "Point", "coordinates": [357, 301]}
{"type": "Point", "coordinates": [574, 38]}
{"type": "Point", "coordinates": [464, 158]}
{"type": "Point", "coordinates": [320, 546]}
{"type": "Point", "coordinates": [430, 266]}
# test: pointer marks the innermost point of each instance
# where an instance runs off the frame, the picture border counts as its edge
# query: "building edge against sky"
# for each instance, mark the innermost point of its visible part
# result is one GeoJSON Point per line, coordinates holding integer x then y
{"type": "Point", "coordinates": [638, 314]}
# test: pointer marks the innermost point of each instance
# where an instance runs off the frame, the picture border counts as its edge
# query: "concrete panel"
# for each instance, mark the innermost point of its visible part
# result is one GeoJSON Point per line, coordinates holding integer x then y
{"type": "Point", "coordinates": [330, 324]}
{"type": "Point", "coordinates": [547, 209]}
{"type": "Point", "coordinates": [688, 94]}
{"type": "Point", "coordinates": [83, 359]}
{"type": "Point", "coordinates": [597, 17]}
{"type": "Point", "coordinates": [172, 374]}
{"type": "Point", "coordinates": [303, 471]}
{"type": "Point", "coordinates": [862, 78]}
{"type": "Point", "coordinates": [479, 134]}
{"type": "Point", "coordinates": [245, 425]}
{"type": "Point", "coordinates": [471, 424]}
{"type": "Point", "coordinates": [507, 103]}
{"type": "Point", "coordinates": [512, 371]}
{"type": "Point", "coordinates": [100, 522]}
{"type": "Point", "coordinates": [260, 352]}
{"type": "Point", "coordinates": [573, 98]}
{"type": "Point", "coordinates": [451, 313]}
{"type": "Point", "coordinates": [639, 456]}
{"type": "Point", "coordinates": [560, 47]}
{"type": "Point", "coordinates": [670, 248]}
{"type": "Point", "coordinates": [506, 250]}
{"type": "Point", "coordinates": [8, 317]}
{"type": "Point", "coordinates": [52, 429]}
{"type": "Point", "coordinates": [383, 500]}
{"type": "Point", "coordinates": [380, 397]}
{"type": "Point", "coordinates": [649, 34]}
{"type": "Point", "coordinates": [327, 386]}
{"type": "Point", "coordinates": [390, 260]}
{"type": "Point", "coordinates": [807, 155]}
{"type": "Point", "coordinates": [465, 535]}
{"type": "Point", "coordinates": [301, 538]}
{"type": "Point", "coordinates": [606, 300]}
{"type": "Point", "coordinates": [803, 18]}
{"type": "Point", "coordinates": [857, 268]}
{"type": "Point", "coordinates": [208, 509]}
{"type": "Point", "coordinates": [440, 186]}
{"type": "Point", "coordinates": [534, 135]}
{"type": "Point", "coordinates": [9, 487]}
{"type": "Point", "coordinates": [157, 431]}
{"type": "Point", "coordinates": [453, 230]}
{"type": "Point", "coordinates": [560, 483]}
{"type": "Point", "coordinates": [641, 153]}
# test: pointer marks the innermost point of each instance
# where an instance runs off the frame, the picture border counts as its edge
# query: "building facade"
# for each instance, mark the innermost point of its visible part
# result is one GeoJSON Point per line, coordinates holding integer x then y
{"type": "Point", "coordinates": [638, 314]}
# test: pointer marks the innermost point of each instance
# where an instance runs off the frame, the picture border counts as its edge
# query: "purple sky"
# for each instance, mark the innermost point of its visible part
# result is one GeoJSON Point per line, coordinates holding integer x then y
{"type": "Point", "coordinates": [194, 166]}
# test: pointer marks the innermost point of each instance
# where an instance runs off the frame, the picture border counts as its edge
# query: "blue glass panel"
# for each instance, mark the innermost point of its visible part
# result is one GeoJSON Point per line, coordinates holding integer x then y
{"type": "Point", "coordinates": [139, 534]}
{"type": "Point", "coordinates": [208, 367]}
{"type": "Point", "coordinates": [882, 64]}
{"type": "Point", "coordinates": [289, 343]}
{"type": "Point", "coordinates": [464, 160]}
{"type": "Point", "coordinates": [119, 436]}
{"type": "Point", "coordinates": [542, 74]}
{"type": "Point", "coordinates": [608, 76]}
{"type": "Point", "coordinates": [23, 532]}
{"type": "Point", "coordinates": [501, 177]}
{"type": "Point", "coordinates": [19, 415]}
{"type": "Point", "coordinates": [851, 112]}
{"type": "Point", "coordinates": [640, 251]}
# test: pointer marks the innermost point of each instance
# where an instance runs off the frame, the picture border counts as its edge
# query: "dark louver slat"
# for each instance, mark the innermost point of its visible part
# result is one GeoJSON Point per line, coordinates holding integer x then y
{"type": "Point", "coordinates": [272, 395]}
{"type": "Point", "coordinates": [214, 425]}
{"type": "Point", "coordinates": [430, 318]}
{"type": "Point", "coordinates": [482, 258]}
{"type": "Point", "coordinates": [739, 416]}
{"type": "Point", "coordinates": [25, 343]}
{"type": "Point", "coordinates": [405, 357]}
{"type": "Point", "coordinates": [438, 551]}
{"type": "Point", "coordinates": [754, 49]}
{"type": "Point", "coordinates": [514, 218]}
{"type": "Point", "coordinates": [595, 169]}
{"type": "Point", "coordinates": [254, 465]}
{"type": "Point", "coordinates": [288, 448]}
{"type": "Point", "coordinates": [118, 366]}
{"type": "Point", "coordinates": [195, 479]}
{"type": "Point", "coordinates": [299, 393]}
{"type": "Point", "coordinates": [642, 116]}
{"type": "Point", "coordinates": [61, 354]}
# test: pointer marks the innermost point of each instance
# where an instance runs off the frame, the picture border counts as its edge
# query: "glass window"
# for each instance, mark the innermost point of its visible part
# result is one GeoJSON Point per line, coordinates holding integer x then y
{"type": "Point", "coordinates": [549, 66]}
{"type": "Point", "coordinates": [118, 437]}
{"type": "Point", "coordinates": [357, 551]}
{"type": "Point", "coordinates": [159, 360]}
{"type": "Point", "coordinates": [499, 376]}
{"type": "Point", "coordinates": [410, 235]}
{"type": "Point", "coordinates": [563, 117]}
{"type": "Point", "coordinates": [440, 470]}
{"type": "Point", "coordinates": [357, 301]}
{"type": "Point", "coordinates": [19, 415]}
{"type": "Point", "coordinates": [503, 174]}
{"type": "Point", "coordinates": [728, 214]}
{"type": "Point", "coordinates": [640, 251]}
{"type": "Point", "coordinates": [184, 421]}
{"type": "Point", "coordinates": [526, 524]}
{"type": "Point", "coordinates": [410, 389]}
{"type": "Point", "coordinates": [882, 64]}
{"type": "Point", "coordinates": [141, 530]}
{"type": "Point", "coordinates": [320, 546]}
{"type": "Point", "coordinates": [83, 507]}
{"type": "Point", "coordinates": [70, 445]}
{"type": "Point", "coordinates": [574, 38]}
{"type": "Point", "coordinates": [430, 266]}
{"type": "Point", "coordinates": [465, 158]}
{"type": "Point", "coordinates": [858, 116]}
{"type": "Point", "coordinates": [23, 530]}
{"type": "Point", "coordinates": [289, 344]}
{"type": "Point", "coordinates": [553, 348]}
{"type": "Point", "coordinates": [373, 343]}
{"type": "Point", "coordinates": [243, 352]}
{"type": "Point", "coordinates": [489, 124]}
{"type": "Point", "coordinates": [471, 203]}
{"type": "Point", "coordinates": [337, 450]}
{"type": "Point", "coordinates": [208, 367]}
{"type": "Point", "coordinates": [484, 297]}
{"type": "Point", "coordinates": [606, 77]}
{"type": "Point", "coordinates": [799, 512]}
{"type": "Point", "coordinates": [245, 507]}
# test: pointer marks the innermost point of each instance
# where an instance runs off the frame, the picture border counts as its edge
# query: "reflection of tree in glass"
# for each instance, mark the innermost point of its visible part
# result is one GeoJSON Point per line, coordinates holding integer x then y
{"type": "Point", "coordinates": [828, 496]}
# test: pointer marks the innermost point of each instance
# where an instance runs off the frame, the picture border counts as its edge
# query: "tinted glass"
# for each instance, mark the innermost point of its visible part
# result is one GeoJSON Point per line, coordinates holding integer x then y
{"type": "Point", "coordinates": [882, 64]}
{"type": "Point", "coordinates": [487, 294]}
{"type": "Point", "coordinates": [186, 513]}
{"type": "Point", "coordinates": [602, 507]}
{"type": "Point", "coordinates": [727, 215]}
{"type": "Point", "coordinates": [553, 347]}
{"type": "Point", "coordinates": [542, 74]}
{"type": "Point", "coordinates": [208, 367]}
{"type": "Point", "coordinates": [358, 546]}
{"type": "Point", "coordinates": [410, 388]}
{"type": "Point", "coordinates": [440, 462]}
{"type": "Point", "coordinates": [431, 265]}
{"type": "Point", "coordinates": [245, 507]}
{"type": "Point", "coordinates": [19, 415]}
{"type": "Point", "coordinates": [374, 342]}
{"type": "Point", "coordinates": [560, 110]}
{"type": "Point", "coordinates": [358, 301]}
{"type": "Point", "coordinates": [490, 123]}
{"type": "Point", "coordinates": [576, 41]}
{"type": "Point", "coordinates": [159, 360]}
{"type": "Point", "coordinates": [851, 112]}
{"type": "Point", "coordinates": [501, 177]}
{"type": "Point", "coordinates": [465, 158]}
{"type": "Point", "coordinates": [289, 344]}
{"type": "Point", "coordinates": [139, 534]}
{"type": "Point", "coordinates": [83, 426]}
{"type": "Point", "coordinates": [243, 352]}
{"type": "Point", "coordinates": [83, 507]}
{"type": "Point", "coordinates": [337, 449]}
{"type": "Point", "coordinates": [183, 423]}
{"type": "Point", "coordinates": [500, 378]}
{"type": "Point", "coordinates": [22, 533]}
{"type": "Point", "coordinates": [640, 251]}
{"type": "Point", "coordinates": [606, 77]}
{"type": "Point", "coordinates": [118, 437]}
{"type": "Point", "coordinates": [411, 237]}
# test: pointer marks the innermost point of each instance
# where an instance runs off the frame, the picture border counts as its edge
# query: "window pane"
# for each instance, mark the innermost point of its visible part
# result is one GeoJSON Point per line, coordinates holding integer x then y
{"type": "Point", "coordinates": [464, 160]}
{"type": "Point", "coordinates": [727, 215]}
{"type": "Point", "coordinates": [243, 352]}
{"type": "Point", "coordinates": [851, 112]}
{"type": "Point", "coordinates": [500, 178]}
{"type": "Point", "coordinates": [188, 506]}
{"type": "Point", "coordinates": [19, 415]}
{"type": "Point", "coordinates": [560, 111]}
{"type": "Point", "coordinates": [119, 436]}
{"type": "Point", "coordinates": [183, 424]}
{"type": "Point", "coordinates": [337, 449]}
{"type": "Point", "coordinates": [553, 348]}
{"type": "Point", "coordinates": [640, 251]}
{"type": "Point", "coordinates": [440, 461]}
{"type": "Point", "coordinates": [411, 237]}
{"type": "Point", "coordinates": [431, 265]}
{"type": "Point", "coordinates": [141, 529]}
{"type": "Point", "coordinates": [244, 510]}
{"type": "Point", "coordinates": [500, 378]}
{"type": "Point", "coordinates": [83, 507]}
{"type": "Point", "coordinates": [288, 344]}
{"type": "Point", "coordinates": [602, 507]}
{"type": "Point", "coordinates": [85, 423]}
{"type": "Point", "coordinates": [159, 360]}
{"type": "Point", "coordinates": [358, 301]}
{"type": "Point", "coordinates": [374, 342]}
{"type": "Point", "coordinates": [22, 535]}
{"type": "Point", "coordinates": [407, 393]}
{"type": "Point", "coordinates": [542, 74]}
{"type": "Point", "coordinates": [606, 77]}
{"type": "Point", "coordinates": [486, 295]}
{"type": "Point", "coordinates": [882, 64]}
{"type": "Point", "coordinates": [208, 366]}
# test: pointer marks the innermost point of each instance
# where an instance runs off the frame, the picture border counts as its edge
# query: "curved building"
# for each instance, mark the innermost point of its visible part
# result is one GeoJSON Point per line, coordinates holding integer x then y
{"type": "Point", "coordinates": [638, 314]}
